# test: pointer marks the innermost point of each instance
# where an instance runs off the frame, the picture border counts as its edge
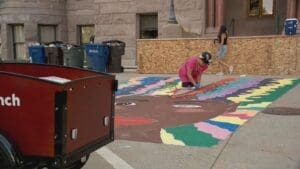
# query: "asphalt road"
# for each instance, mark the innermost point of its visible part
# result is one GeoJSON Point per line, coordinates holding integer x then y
{"type": "Point", "coordinates": [267, 141]}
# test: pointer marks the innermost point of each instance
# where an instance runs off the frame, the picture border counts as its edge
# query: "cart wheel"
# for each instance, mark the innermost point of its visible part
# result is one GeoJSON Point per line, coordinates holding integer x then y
{"type": "Point", "coordinates": [80, 163]}
{"type": "Point", "coordinates": [4, 164]}
{"type": "Point", "coordinates": [8, 155]}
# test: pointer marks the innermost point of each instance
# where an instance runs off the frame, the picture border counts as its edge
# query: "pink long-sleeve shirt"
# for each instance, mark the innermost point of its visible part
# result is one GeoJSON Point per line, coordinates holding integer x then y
{"type": "Point", "coordinates": [193, 64]}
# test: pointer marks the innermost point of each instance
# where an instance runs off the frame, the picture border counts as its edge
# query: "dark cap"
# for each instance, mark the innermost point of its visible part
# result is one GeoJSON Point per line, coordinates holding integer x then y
{"type": "Point", "coordinates": [206, 57]}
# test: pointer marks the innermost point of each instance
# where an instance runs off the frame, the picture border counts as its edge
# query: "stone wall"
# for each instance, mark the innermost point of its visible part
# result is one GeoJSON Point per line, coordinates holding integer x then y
{"type": "Point", "coordinates": [265, 55]}
{"type": "Point", "coordinates": [240, 23]}
{"type": "Point", "coordinates": [79, 12]}
{"type": "Point", "coordinates": [30, 13]}
{"type": "Point", "coordinates": [115, 19]}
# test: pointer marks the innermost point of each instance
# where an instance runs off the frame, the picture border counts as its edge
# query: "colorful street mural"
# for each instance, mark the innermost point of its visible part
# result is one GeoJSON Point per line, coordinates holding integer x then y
{"type": "Point", "coordinates": [158, 110]}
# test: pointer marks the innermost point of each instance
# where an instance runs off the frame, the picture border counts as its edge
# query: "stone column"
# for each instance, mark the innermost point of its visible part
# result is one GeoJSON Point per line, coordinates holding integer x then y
{"type": "Point", "coordinates": [298, 16]}
{"type": "Point", "coordinates": [31, 32]}
{"type": "Point", "coordinates": [6, 45]}
{"type": "Point", "coordinates": [291, 8]}
{"type": "Point", "coordinates": [220, 13]}
{"type": "Point", "coordinates": [298, 10]}
{"type": "Point", "coordinates": [3, 52]}
{"type": "Point", "coordinates": [210, 13]}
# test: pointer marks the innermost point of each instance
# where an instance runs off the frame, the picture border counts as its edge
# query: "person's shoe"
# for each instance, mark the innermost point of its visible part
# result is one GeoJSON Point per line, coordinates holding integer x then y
{"type": "Point", "coordinates": [230, 69]}
{"type": "Point", "coordinates": [220, 74]}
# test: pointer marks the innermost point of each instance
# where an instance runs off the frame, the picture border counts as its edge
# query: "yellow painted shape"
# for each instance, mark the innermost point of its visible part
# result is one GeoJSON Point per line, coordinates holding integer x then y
{"type": "Point", "coordinates": [249, 113]}
{"type": "Point", "coordinates": [263, 90]}
{"type": "Point", "coordinates": [167, 138]}
{"type": "Point", "coordinates": [166, 91]}
{"type": "Point", "coordinates": [232, 120]}
{"type": "Point", "coordinates": [259, 105]}
{"type": "Point", "coordinates": [130, 82]}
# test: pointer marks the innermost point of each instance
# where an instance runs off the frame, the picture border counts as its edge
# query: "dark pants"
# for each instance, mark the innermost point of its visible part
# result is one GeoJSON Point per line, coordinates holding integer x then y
{"type": "Point", "coordinates": [187, 84]}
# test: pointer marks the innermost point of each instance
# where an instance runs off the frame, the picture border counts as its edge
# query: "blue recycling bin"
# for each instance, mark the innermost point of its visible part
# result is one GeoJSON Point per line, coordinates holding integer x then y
{"type": "Point", "coordinates": [37, 54]}
{"type": "Point", "coordinates": [97, 56]}
{"type": "Point", "coordinates": [290, 26]}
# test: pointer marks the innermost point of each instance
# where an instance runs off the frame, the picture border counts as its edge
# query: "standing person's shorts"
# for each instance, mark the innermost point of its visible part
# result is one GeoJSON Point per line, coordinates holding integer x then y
{"type": "Point", "coordinates": [222, 52]}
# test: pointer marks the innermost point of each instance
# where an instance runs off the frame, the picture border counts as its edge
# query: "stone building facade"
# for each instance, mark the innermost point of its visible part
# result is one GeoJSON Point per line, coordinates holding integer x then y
{"type": "Point", "coordinates": [129, 20]}
{"type": "Point", "coordinates": [28, 15]}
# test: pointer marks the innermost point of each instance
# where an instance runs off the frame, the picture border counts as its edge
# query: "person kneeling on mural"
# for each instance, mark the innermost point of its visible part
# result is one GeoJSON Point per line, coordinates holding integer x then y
{"type": "Point", "coordinates": [191, 71]}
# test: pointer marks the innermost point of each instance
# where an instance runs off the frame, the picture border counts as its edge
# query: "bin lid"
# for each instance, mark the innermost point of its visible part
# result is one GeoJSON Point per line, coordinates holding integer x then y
{"type": "Point", "coordinates": [291, 19]}
{"type": "Point", "coordinates": [114, 43]}
{"type": "Point", "coordinates": [36, 46]}
{"type": "Point", "coordinates": [95, 45]}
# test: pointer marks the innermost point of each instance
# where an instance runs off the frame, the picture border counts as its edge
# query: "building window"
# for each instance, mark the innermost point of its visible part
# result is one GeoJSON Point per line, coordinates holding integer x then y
{"type": "Point", "coordinates": [47, 33]}
{"type": "Point", "coordinates": [148, 26]}
{"type": "Point", "coordinates": [261, 7]}
{"type": "Point", "coordinates": [19, 50]}
{"type": "Point", "coordinates": [86, 34]}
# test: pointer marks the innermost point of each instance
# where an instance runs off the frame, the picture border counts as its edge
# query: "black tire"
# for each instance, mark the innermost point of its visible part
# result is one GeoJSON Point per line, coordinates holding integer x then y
{"type": "Point", "coordinates": [4, 162]}
{"type": "Point", "coordinates": [7, 154]}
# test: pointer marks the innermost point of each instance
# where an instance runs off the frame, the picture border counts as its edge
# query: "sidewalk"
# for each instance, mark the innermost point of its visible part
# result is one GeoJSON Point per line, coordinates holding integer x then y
{"type": "Point", "coordinates": [267, 141]}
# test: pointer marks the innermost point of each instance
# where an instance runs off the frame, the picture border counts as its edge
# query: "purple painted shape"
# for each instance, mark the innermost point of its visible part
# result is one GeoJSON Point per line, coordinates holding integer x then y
{"type": "Point", "coordinates": [231, 88]}
{"type": "Point", "coordinates": [215, 131]}
{"type": "Point", "coordinates": [157, 85]}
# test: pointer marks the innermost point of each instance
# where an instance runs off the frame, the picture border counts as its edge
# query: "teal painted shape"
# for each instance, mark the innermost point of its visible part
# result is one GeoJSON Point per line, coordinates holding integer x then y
{"type": "Point", "coordinates": [192, 137]}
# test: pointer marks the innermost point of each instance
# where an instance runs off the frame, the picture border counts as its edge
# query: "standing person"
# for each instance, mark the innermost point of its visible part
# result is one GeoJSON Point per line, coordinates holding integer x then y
{"type": "Point", "coordinates": [191, 71]}
{"type": "Point", "coordinates": [222, 39]}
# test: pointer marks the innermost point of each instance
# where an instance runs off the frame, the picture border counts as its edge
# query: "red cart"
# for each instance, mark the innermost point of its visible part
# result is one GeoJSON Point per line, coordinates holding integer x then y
{"type": "Point", "coordinates": [53, 116]}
